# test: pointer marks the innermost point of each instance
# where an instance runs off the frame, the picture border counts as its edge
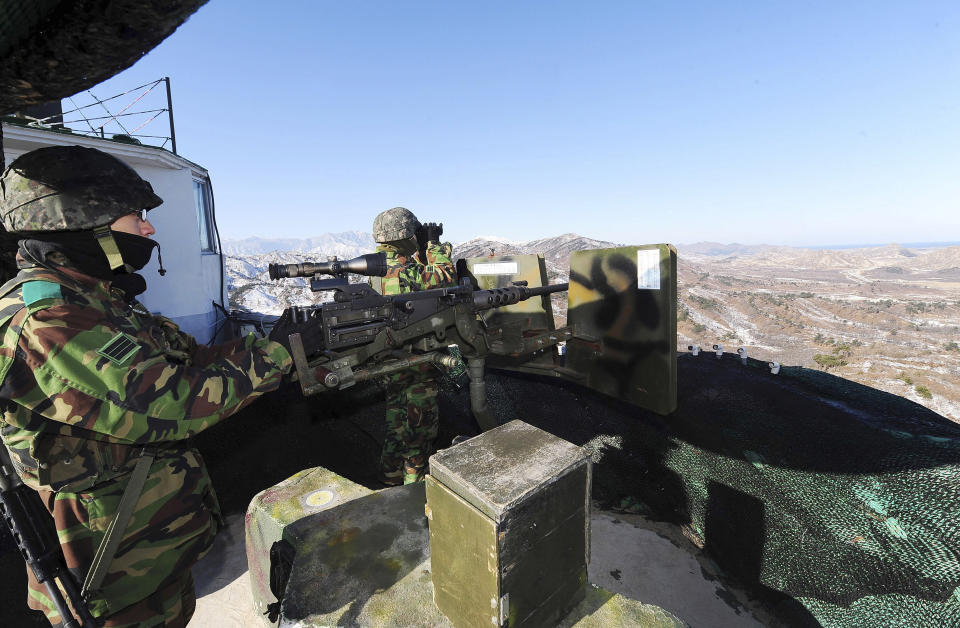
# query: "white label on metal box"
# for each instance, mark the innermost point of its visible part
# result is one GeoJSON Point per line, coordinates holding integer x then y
{"type": "Point", "coordinates": [648, 269]}
{"type": "Point", "coordinates": [495, 268]}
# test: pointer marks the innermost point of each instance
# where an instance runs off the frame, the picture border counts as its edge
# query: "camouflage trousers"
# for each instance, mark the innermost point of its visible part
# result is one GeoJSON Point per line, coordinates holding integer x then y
{"type": "Point", "coordinates": [412, 423]}
{"type": "Point", "coordinates": [171, 606]}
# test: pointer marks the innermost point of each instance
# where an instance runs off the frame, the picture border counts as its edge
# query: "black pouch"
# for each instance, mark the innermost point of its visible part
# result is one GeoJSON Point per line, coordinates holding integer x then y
{"type": "Point", "coordinates": [281, 563]}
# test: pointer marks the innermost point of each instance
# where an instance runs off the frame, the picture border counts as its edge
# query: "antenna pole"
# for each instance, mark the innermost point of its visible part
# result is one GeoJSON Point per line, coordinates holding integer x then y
{"type": "Point", "coordinates": [173, 133]}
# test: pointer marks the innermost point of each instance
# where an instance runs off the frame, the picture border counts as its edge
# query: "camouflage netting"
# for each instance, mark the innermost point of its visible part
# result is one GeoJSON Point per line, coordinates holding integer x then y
{"type": "Point", "coordinates": [838, 503]}
{"type": "Point", "coordinates": [850, 506]}
{"type": "Point", "coordinates": [54, 49]}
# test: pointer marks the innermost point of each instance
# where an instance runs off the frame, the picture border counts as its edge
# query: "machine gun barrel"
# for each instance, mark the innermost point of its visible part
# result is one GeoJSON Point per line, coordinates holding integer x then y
{"type": "Point", "coordinates": [371, 265]}
{"type": "Point", "coordinates": [498, 297]}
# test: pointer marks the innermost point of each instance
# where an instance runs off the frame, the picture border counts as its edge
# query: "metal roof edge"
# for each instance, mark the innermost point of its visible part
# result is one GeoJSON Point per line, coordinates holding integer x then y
{"type": "Point", "coordinates": [138, 153]}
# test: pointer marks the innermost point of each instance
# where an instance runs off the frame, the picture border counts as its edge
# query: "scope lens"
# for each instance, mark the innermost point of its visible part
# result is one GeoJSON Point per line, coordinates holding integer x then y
{"type": "Point", "coordinates": [278, 271]}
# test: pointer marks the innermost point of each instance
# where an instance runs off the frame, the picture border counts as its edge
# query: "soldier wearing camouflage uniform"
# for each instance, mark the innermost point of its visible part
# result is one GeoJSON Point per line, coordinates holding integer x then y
{"type": "Point", "coordinates": [93, 386]}
{"type": "Point", "coordinates": [412, 414]}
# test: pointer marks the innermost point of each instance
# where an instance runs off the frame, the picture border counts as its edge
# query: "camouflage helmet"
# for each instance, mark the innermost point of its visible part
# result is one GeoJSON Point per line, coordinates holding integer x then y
{"type": "Point", "coordinates": [394, 224]}
{"type": "Point", "coordinates": [70, 188]}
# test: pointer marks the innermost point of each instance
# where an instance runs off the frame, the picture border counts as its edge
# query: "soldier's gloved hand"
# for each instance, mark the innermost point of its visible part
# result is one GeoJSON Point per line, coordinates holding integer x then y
{"type": "Point", "coordinates": [421, 235]}
{"type": "Point", "coordinates": [432, 231]}
{"type": "Point", "coordinates": [310, 330]}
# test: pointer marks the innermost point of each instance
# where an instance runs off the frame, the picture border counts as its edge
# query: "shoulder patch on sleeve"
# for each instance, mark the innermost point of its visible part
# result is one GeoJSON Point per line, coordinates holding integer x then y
{"type": "Point", "coordinates": [35, 291]}
{"type": "Point", "coordinates": [119, 349]}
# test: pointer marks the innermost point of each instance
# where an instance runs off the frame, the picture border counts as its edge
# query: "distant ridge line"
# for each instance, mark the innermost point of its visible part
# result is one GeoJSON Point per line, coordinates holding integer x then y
{"type": "Point", "coordinates": [736, 248]}
{"type": "Point", "coordinates": [909, 245]}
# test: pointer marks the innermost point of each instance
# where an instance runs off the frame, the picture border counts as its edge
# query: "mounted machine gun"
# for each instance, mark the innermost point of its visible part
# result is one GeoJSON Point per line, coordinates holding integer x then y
{"type": "Point", "coordinates": [620, 339]}
{"type": "Point", "coordinates": [366, 335]}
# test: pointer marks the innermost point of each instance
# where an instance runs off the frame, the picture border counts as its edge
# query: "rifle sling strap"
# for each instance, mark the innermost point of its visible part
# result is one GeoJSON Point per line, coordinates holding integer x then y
{"type": "Point", "coordinates": [111, 540]}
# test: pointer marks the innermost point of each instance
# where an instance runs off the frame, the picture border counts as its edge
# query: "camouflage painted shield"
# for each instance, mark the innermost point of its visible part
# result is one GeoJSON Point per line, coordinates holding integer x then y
{"type": "Point", "coordinates": [623, 308]}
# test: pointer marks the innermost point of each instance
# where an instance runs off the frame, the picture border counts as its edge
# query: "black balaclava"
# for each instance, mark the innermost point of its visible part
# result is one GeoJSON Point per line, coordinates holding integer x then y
{"type": "Point", "coordinates": [83, 252]}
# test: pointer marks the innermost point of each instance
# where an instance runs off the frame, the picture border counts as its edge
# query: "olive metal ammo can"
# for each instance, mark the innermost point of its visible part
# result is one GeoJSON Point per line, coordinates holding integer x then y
{"type": "Point", "coordinates": [509, 515]}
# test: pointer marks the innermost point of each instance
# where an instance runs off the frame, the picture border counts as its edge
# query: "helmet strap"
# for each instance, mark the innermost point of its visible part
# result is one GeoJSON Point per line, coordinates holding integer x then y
{"type": "Point", "coordinates": [162, 271]}
{"type": "Point", "coordinates": [30, 257]}
{"type": "Point", "coordinates": [109, 245]}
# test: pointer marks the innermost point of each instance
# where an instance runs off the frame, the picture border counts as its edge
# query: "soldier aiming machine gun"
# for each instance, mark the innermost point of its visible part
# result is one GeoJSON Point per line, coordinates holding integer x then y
{"type": "Point", "coordinates": [366, 334]}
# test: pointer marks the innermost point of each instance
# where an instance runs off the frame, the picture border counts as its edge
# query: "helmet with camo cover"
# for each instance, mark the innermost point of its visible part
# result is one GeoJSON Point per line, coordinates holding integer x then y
{"type": "Point", "coordinates": [395, 224]}
{"type": "Point", "coordinates": [70, 188]}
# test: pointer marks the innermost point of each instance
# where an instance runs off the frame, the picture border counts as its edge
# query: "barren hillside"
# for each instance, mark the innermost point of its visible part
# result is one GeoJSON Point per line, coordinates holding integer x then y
{"type": "Point", "coordinates": [887, 317]}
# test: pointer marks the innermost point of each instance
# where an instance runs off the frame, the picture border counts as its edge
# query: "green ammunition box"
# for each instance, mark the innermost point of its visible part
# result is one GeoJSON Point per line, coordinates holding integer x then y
{"type": "Point", "coordinates": [509, 514]}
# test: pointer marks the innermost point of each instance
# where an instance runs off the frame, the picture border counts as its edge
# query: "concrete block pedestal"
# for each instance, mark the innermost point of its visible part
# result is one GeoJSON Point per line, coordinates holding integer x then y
{"type": "Point", "coordinates": [274, 510]}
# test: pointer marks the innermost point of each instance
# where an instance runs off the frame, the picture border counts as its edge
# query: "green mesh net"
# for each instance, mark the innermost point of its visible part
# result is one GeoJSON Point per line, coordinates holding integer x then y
{"type": "Point", "coordinates": [52, 49]}
{"type": "Point", "coordinates": [837, 504]}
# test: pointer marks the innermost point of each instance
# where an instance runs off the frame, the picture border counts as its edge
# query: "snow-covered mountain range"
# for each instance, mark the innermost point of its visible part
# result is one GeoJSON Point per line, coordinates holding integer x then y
{"type": "Point", "coordinates": [342, 245]}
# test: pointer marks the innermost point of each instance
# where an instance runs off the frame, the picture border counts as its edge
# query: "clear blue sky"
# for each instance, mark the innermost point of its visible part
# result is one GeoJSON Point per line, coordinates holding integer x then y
{"type": "Point", "coordinates": [632, 121]}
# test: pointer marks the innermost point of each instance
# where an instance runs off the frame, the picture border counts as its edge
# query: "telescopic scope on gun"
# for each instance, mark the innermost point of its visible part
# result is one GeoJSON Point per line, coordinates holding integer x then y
{"type": "Point", "coordinates": [371, 265]}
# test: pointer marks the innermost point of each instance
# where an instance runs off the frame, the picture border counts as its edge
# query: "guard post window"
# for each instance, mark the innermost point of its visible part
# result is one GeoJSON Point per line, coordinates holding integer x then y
{"type": "Point", "coordinates": [204, 202]}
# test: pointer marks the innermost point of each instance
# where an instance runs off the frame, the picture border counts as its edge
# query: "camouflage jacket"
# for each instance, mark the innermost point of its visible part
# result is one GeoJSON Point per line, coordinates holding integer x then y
{"type": "Point", "coordinates": [87, 379]}
{"type": "Point", "coordinates": [410, 274]}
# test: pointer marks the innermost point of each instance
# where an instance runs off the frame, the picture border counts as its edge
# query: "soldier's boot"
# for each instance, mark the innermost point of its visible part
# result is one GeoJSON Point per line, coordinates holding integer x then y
{"type": "Point", "coordinates": [391, 478]}
{"type": "Point", "coordinates": [414, 469]}
{"type": "Point", "coordinates": [391, 465]}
